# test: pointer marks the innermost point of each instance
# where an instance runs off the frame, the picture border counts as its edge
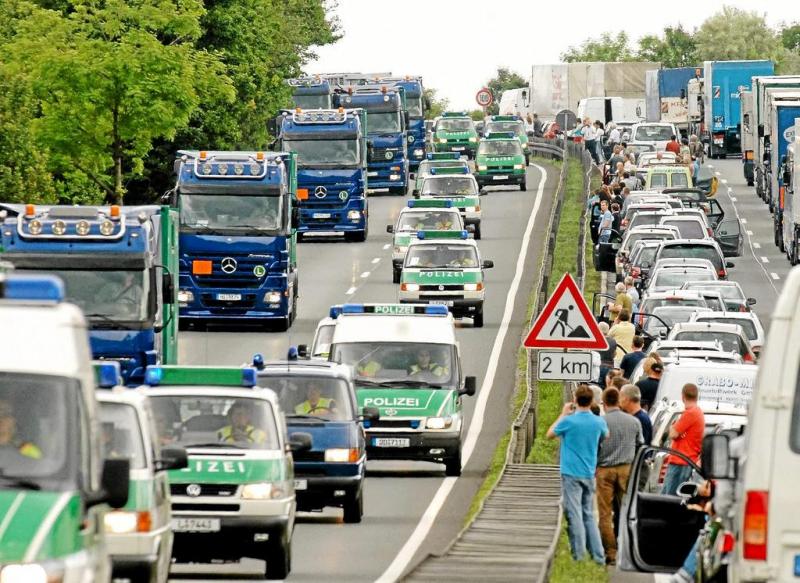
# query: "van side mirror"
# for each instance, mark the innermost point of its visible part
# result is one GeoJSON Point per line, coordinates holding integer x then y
{"type": "Point", "coordinates": [172, 458]}
{"type": "Point", "coordinates": [488, 264]}
{"type": "Point", "coordinates": [114, 484]}
{"type": "Point", "coordinates": [390, 228]}
{"type": "Point", "coordinates": [302, 350]}
{"type": "Point", "coordinates": [415, 193]}
{"type": "Point", "coordinates": [470, 386]}
{"type": "Point", "coordinates": [299, 442]}
{"type": "Point", "coordinates": [729, 264]}
{"type": "Point", "coordinates": [167, 288]}
{"type": "Point", "coordinates": [687, 490]}
{"type": "Point", "coordinates": [751, 301]}
{"type": "Point", "coordinates": [371, 414]}
{"type": "Point", "coordinates": [716, 459]}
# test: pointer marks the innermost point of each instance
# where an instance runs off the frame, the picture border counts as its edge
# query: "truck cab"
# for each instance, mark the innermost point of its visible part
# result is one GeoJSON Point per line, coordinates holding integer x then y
{"type": "Point", "coordinates": [119, 265]}
{"type": "Point", "coordinates": [455, 131]}
{"type": "Point", "coordinates": [311, 93]}
{"type": "Point", "coordinates": [238, 258]}
{"type": "Point", "coordinates": [417, 103]}
{"type": "Point", "coordinates": [387, 130]}
{"type": "Point", "coordinates": [55, 487]}
{"type": "Point", "coordinates": [331, 150]}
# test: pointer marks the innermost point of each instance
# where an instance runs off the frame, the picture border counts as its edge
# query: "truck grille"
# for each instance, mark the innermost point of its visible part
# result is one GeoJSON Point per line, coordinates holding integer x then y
{"type": "Point", "coordinates": [205, 489]}
{"type": "Point", "coordinates": [500, 169]}
{"type": "Point", "coordinates": [242, 278]}
{"type": "Point", "coordinates": [379, 155]}
{"type": "Point", "coordinates": [248, 302]}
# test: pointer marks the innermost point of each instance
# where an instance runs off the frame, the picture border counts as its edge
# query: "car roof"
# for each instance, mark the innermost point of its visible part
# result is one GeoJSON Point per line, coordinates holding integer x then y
{"type": "Point", "coordinates": [707, 327]}
{"type": "Point", "coordinates": [674, 293]}
{"type": "Point", "coordinates": [705, 242]}
{"type": "Point", "coordinates": [442, 242]}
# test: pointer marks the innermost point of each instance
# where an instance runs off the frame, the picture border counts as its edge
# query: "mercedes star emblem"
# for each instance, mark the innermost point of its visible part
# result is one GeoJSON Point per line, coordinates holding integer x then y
{"type": "Point", "coordinates": [320, 192]}
{"type": "Point", "coordinates": [193, 490]}
{"type": "Point", "coordinates": [229, 265]}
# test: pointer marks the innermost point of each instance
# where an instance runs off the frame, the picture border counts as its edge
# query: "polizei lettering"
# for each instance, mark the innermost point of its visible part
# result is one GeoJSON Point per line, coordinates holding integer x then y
{"type": "Point", "coordinates": [391, 402]}
{"type": "Point", "coordinates": [215, 467]}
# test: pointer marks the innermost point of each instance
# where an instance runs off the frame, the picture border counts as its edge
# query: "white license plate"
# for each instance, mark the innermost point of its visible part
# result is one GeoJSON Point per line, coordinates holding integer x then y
{"type": "Point", "coordinates": [442, 302]}
{"type": "Point", "coordinates": [458, 149]}
{"type": "Point", "coordinates": [195, 525]}
{"type": "Point", "coordinates": [301, 484]}
{"type": "Point", "coordinates": [369, 174]}
{"type": "Point", "coordinates": [501, 177]}
{"type": "Point", "coordinates": [229, 297]}
{"type": "Point", "coordinates": [321, 215]}
{"type": "Point", "coordinates": [391, 442]}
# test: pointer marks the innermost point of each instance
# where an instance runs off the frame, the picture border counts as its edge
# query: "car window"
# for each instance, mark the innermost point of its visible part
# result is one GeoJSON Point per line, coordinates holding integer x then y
{"type": "Point", "coordinates": [730, 342]}
{"type": "Point", "coordinates": [692, 251]}
{"type": "Point", "coordinates": [674, 278]}
{"type": "Point", "coordinates": [747, 325]}
{"type": "Point", "coordinates": [121, 435]}
{"type": "Point", "coordinates": [679, 179]}
{"type": "Point", "coordinates": [687, 229]}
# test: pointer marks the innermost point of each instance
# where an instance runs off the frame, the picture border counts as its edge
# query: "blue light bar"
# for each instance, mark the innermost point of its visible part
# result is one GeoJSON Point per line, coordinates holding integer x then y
{"type": "Point", "coordinates": [292, 353]}
{"type": "Point", "coordinates": [335, 311]}
{"type": "Point", "coordinates": [258, 360]}
{"type": "Point", "coordinates": [395, 309]}
{"type": "Point", "coordinates": [249, 377]}
{"type": "Point", "coordinates": [353, 309]}
{"type": "Point", "coordinates": [107, 374]}
{"type": "Point", "coordinates": [43, 288]}
{"type": "Point", "coordinates": [454, 170]}
{"type": "Point", "coordinates": [443, 156]}
{"type": "Point", "coordinates": [152, 375]}
{"type": "Point", "coordinates": [414, 423]}
{"type": "Point", "coordinates": [436, 310]}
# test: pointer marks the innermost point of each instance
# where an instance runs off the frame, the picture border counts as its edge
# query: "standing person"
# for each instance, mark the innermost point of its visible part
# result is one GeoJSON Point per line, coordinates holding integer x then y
{"type": "Point", "coordinates": [580, 432]}
{"type": "Point", "coordinates": [613, 134]}
{"type": "Point", "coordinates": [631, 290]}
{"type": "Point", "coordinates": [686, 152]}
{"type": "Point", "coordinates": [653, 367]}
{"type": "Point", "coordinates": [696, 147]}
{"type": "Point", "coordinates": [673, 146]}
{"type": "Point", "coordinates": [621, 302]}
{"type": "Point", "coordinates": [630, 401]}
{"type": "Point", "coordinates": [623, 332]}
{"type": "Point", "coordinates": [589, 140]}
{"type": "Point", "coordinates": [687, 438]}
{"type": "Point", "coordinates": [614, 466]}
{"type": "Point", "coordinates": [537, 126]}
{"type": "Point", "coordinates": [599, 134]}
{"type": "Point", "coordinates": [607, 355]}
{"type": "Point", "coordinates": [606, 221]}
{"type": "Point", "coordinates": [631, 360]}
{"type": "Point", "coordinates": [528, 124]}
{"type": "Point", "coordinates": [695, 169]}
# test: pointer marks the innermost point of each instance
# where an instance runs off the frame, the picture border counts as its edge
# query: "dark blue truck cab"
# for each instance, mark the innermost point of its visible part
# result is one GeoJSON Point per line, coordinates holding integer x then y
{"type": "Point", "coordinates": [311, 93]}
{"type": "Point", "coordinates": [416, 104]}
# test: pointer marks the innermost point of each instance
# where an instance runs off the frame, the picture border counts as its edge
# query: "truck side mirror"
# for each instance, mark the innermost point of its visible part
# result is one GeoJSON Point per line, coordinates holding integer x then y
{"type": "Point", "coordinates": [272, 126]}
{"type": "Point", "coordinates": [760, 131]}
{"type": "Point", "coordinates": [370, 148]}
{"type": "Point", "coordinates": [488, 264]}
{"type": "Point", "coordinates": [426, 101]}
{"type": "Point", "coordinates": [390, 228]}
{"type": "Point", "coordinates": [406, 119]}
{"type": "Point", "coordinates": [295, 217]}
{"type": "Point", "coordinates": [167, 288]}
{"type": "Point", "coordinates": [470, 386]}
{"type": "Point", "coordinates": [114, 484]}
{"type": "Point", "coordinates": [176, 167]}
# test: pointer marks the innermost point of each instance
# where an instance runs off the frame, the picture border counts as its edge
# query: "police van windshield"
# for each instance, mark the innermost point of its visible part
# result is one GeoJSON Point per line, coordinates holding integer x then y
{"type": "Point", "coordinates": [108, 296]}
{"type": "Point", "coordinates": [40, 440]}
{"type": "Point", "coordinates": [325, 398]}
{"type": "Point", "coordinates": [209, 421]}
{"type": "Point", "coordinates": [504, 126]}
{"type": "Point", "coordinates": [441, 256]}
{"type": "Point", "coordinates": [120, 434]}
{"type": "Point", "coordinates": [324, 153]}
{"type": "Point", "coordinates": [647, 133]}
{"type": "Point", "coordinates": [500, 148]}
{"type": "Point", "coordinates": [450, 186]}
{"type": "Point", "coordinates": [312, 101]}
{"type": "Point", "coordinates": [400, 364]}
{"type": "Point", "coordinates": [429, 220]}
{"type": "Point", "coordinates": [230, 215]}
{"type": "Point", "coordinates": [387, 122]}
{"type": "Point", "coordinates": [455, 125]}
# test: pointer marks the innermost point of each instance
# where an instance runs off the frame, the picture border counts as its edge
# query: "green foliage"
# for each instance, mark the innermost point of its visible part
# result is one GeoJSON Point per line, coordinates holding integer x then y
{"type": "Point", "coordinates": [676, 48]}
{"type": "Point", "coordinates": [790, 36]}
{"type": "Point", "coordinates": [504, 80]}
{"type": "Point", "coordinates": [438, 106]}
{"type": "Point", "coordinates": [606, 48]}
{"type": "Point", "coordinates": [733, 34]}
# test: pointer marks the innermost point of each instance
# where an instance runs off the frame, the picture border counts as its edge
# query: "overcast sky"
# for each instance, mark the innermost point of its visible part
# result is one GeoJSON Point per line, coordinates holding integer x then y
{"type": "Point", "coordinates": [457, 45]}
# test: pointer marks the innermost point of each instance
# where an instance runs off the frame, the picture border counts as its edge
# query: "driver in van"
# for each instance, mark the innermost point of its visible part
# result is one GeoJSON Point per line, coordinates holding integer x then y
{"type": "Point", "coordinates": [315, 403]}
{"type": "Point", "coordinates": [240, 428]}
{"type": "Point", "coordinates": [425, 363]}
{"type": "Point", "coordinates": [8, 433]}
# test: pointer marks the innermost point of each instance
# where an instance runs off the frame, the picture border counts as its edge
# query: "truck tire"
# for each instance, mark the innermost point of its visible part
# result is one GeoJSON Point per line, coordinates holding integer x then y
{"type": "Point", "coordinates": [396, 275]}
{"type": "Point", "coordinates": [279, 560]}
{"type": "Point", "coordinates": [477, 320]}
{"type": "Point", "coordinates": [398, 190]}
{"type": "Point", "coordinates": [452, 466]}
{"type": "Point", "coordinates": [523, 185]}
{"type": "Point", "coordinates": [354, 507]}
{"type": "Point", "coordinates": [356, 236]}
{"type": "Point", "coordinates": [751, 182]}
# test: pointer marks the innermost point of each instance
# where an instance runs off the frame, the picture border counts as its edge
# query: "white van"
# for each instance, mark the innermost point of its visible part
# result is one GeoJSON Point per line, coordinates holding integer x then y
{"type": "Point", "coordinates": [724, 382]}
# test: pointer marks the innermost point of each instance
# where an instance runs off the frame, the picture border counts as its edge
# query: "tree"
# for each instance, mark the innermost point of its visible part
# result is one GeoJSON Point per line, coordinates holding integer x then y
{"type": "Point", "coordinates": [438, 105]}
{"type": "Point", "coordinates": [790, 36]}
{"type": "Point", "coordinates": [733, 34]}
{"type": "Point", "coordinates": [675, 49]}
{"type": "Point", "coordinates": [606, 48]}
{"type": "Point", "coordinates": [504, 80]}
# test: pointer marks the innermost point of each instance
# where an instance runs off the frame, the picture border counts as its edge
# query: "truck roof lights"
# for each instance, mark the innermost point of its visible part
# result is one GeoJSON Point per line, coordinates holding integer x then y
{"type": "Point", "coordinates": [443, 156]}
{"type": "Point", "coordinates": [395, 309]}
{"type": "Point", "coordinates": [107, 374]}
{"type": "Point", "coordinates": [429, 203]}
{"type": "Point", "coordinates": [73, 222]}
{"type": "Point", "coordinates": [443, 170]}
{"type": "Point", "coordinates": [318, 116]}
{"type": "Point", "coordinates": [200, 375]}
{"type": "Point", "coordinates": [30, 211]}
{"type": "Point", "coordinates": [463, 235]}
{"type": "Point", "coordinates": [40, 288]}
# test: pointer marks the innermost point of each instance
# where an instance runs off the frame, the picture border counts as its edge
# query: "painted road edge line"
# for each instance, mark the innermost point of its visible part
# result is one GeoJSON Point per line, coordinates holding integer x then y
{"type": "Point", "coordinates": [400, 563]}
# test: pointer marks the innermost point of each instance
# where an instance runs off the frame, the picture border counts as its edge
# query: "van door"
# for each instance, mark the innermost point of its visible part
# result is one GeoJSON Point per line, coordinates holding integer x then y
{"type": "Point", "coordinates": [728, 234]}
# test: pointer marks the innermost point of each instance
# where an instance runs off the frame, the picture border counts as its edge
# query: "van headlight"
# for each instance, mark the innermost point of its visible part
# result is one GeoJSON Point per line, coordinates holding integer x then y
{"type": "Point", "coordinates": [518, 166]}
{"type": "Point", "coordinates": [353, 215]}
{"type": "Point", "coordinates": [438, 422]}
{"type": "Point", "coordinates": [120, 522]}
{"type": "Point", "coordinates": [50, 572]}
{"type": "Point", "coordinates": [482, 168]}
{"type": "Point", "coordinates": [473, 139]}
{"type": "Point", "coordinates": [399, 249]}
{"type": "Point", "coordinates": [258, 491]}
{"type": "Point", "coordinates": [442, 140]}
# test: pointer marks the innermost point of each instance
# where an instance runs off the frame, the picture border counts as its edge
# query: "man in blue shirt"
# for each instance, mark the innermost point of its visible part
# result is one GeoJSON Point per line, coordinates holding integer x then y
{"type": "Point", "coordinates": [633, 358]}
{"type": "Point", "coordinates": [580, 432]}
{"type": "Point", "coordinates": [630, 401]}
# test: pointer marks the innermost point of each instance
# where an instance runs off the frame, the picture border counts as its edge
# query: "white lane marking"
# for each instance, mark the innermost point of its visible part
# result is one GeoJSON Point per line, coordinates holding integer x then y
{"type": "Point", "coordinates": [717, 173]}
{"type": "Point", "coordinates": [365, 275]}
{"type": "Point", "coordinates": [350, 292]}
{"type": "Point", "coordinates": [756, 245]}
{"type": "Point", "coordinates": [744, 221]}
{"type": "Point", "coordinates": [765, 260]}
{"type": "Point", "coordinates": [387, 245]}
{"type": "Point", "coordinates": [46, 526]}
{"type": "Point", "coordinates": [723, 181]}
{"type": "Point", "coordinates": [749, 233]}
{"type": "Point", "coordinates": [406, 554]}
{"type": "Point", "coordinates": [710, 165]}
{"type": "Point", "coordinates": [775, 276]}
{"type": "Point", "coordinates": [376, 260]}
{"type": "Point", "coordinates": [733, 199]}
{"type": "Point", "coordinates": [12, 510]}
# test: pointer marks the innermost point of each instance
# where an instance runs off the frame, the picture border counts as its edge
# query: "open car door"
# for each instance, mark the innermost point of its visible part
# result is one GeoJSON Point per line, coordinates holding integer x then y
{"type": "Point", "coordinates": [715, 213]}
{"type": "Point", "coordinates": [656, 531]}
{"type": "Point", "coordinates": [604, 255]}
{"type": "Point", "coordinates": [594, 221]}
{"type": "Point", "coordinates": [728, 233]}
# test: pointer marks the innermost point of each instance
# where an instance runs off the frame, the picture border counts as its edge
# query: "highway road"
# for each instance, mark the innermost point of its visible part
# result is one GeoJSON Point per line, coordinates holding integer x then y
{"type": "Point", "coordinates": [411, 509]}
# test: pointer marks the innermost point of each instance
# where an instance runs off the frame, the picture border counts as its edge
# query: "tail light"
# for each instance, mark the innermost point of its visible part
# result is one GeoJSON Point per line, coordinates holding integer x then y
{"type": "Point", "coordinates": [748, 357]}
{"type": "Point", "coordinates": [721, 273]}
{"type": "Point", "coordinates": [728, 542]}
{"type": "Point", "coordinates": [755, 525]}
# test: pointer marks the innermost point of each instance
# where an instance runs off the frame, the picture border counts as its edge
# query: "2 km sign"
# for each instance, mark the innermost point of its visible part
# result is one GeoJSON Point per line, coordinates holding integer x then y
{"type": "Point", "coordinates": [564, 366]}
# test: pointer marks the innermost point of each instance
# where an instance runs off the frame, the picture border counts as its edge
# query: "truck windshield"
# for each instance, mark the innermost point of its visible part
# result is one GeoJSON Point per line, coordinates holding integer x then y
{"type": "Point", "coordinates": [414, 105]}
{"type": "Point", "coordinates": [211, 421]}
{"type": "Point", "coordinates": [451, 186]}
{"type": "Point", "coordinates": [323, 153]}
{"type": "Point", "coordinates": [500, 148]}
{"type": "Point", "coordinates": [312, 101]}
{"type": "Point", "coordinates": [121, 434]}
{"type": "Point", "coordinates": [441, 256]}
{"type": "Point", "coordinates": [383, 122]}
{"type": "Point", "coordinates": [107, 295]}
{"type": "Point", "coordinates": [652, 134]}
{"type": "Point", "coordinates": [323, 397]}
{"type": "Point", "coordinates": [228, 214]}
{"type": "Point", "coordinates": [455, 125]}
{"type": "Point", "coordinates": [40, 442]}
{"type": "Point", "coordinates": [400, 364]}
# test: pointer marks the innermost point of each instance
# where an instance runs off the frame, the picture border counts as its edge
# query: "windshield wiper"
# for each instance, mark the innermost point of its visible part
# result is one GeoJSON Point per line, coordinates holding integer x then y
{"type": "Point", "coordinates": [215, 444]}
{"type": "Point", "coordinates": [204, 230]}
{"type": "Point", "coordinates": [21, 483]}
{"type": "Point", "coordinates": [114, 323]}
{"type": "Point", "coordinates": [308, 417]}
{"type": "Point", "coordinates": [405, 383]}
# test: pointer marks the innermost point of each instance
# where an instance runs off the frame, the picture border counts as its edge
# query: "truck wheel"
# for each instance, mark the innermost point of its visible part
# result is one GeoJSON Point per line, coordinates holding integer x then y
{"type": "Point", "coordinates": [477, 320]}
{"type": "Point", "coordinates": [477, 234]}
{"type": "Point", "coordinates": [452, 466]}
{"type": "Point", "coordinates": [356, 236]}
{"type": "Point", "coordinates": [527, 160]}
{"type": "Point", "coordinates": [299, 237]}
{"type": "Point", "coordinates": [399, 190]}
{"type": "Point", "coordinates": [279, 560]}
{"type": "Point", "coordinates": [396, 275]}
{"type": "Point", "coordinates": [523, 185]}
{"type": "Point", "coordinates": [354, 508]}
{"type": "Point", "coordinates": [750, 183]}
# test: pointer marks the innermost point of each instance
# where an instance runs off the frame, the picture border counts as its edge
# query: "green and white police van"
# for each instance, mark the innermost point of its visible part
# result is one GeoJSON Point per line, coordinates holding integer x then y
{"type": "Point", "coordinates": [498, 124]}
{"type": "Point", "coordinates": [437, 160]}
{"type": "Point", "coordinates": [459, 187]}
{"type": "Point", "coordinates": [455, 131]}
{"type": "Point", "coordinates": [420, 215]}
{"type": "Point", "coordinates": [54, 485]}
{"type": "Point", "coordinates": [445, 268]}
{"type": "Point", "coordinates": [500, 160]}
{"type": "Point", "coordinates": [407, 363]}
{"type": "Point", "coordinates": [139, 535]}
{"type": "Point", "coordinates": [236, 497]}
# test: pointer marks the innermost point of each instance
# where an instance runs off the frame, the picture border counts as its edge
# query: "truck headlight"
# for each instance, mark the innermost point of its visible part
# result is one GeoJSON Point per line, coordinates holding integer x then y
{"type": "Point", "coordinates": [394, 177]}
{"type": "Point", "coordinates": [185, 296]}
{"type": "Point", "coordinates": [419, 153]}
{"type": "Point", "coordinates": [33, 573]}
{"type": "Point", "coordinates": [442, 140]}
{"type": "Point", "coordinates": [341, 455]}
{"type": "Point", "coordinates": [473, 139]}
{"type": "Point", "coordinates": [518, 167]}
{"type": "Point", "coordinates": [439, 422]}
{"type": "Point", "coordinates": [354, 215]}
{"type": "Point", "coordinates": [482, 168]}
{"type": "Point", "coordinates": [272, 297]}
{"type": "Point", "coordinates": [257, 491]}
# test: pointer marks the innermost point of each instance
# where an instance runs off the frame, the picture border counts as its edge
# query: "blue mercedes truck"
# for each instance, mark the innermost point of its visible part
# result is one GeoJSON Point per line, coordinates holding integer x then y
{"type": "Point", "coordinates": [386, 132]}
{"type": "Point", "coordinates": [311, 93]}
{"type": "Point", "coordinates": [330, 146]}
{"type": "Point", "coordinates": [238, 262]}
{"type": "Point", "coordinates": [416, 104]}
{"type": "Point", "coordinates": [118, 264]}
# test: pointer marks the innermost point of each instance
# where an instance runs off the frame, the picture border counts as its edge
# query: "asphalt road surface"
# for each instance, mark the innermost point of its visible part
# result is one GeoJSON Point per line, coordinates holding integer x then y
{"type": "Point", "coordinates": [411, 509]}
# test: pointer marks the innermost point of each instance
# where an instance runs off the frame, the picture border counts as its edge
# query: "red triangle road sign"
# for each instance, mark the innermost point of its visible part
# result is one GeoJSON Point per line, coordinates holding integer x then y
{"type": "Point", "coordinates": [566, 321]}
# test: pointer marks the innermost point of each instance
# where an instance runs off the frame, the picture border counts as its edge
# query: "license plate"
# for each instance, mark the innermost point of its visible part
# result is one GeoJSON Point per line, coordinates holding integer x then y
{"type": "Point", "coordinates": [442, 302]}
{"type": "Point", "coordinates": [391, 442]}
{"type": "Point", "coordinates": [369, 174]}
{"type": "Point", "coordinates": [301, 484]}
{"type": "Point", "coordinates": [229, 297]}
{"type": "Point", "coordinates": [195, 524]}
{"type": "Point", "coordinates": [321, 215]}
{"type": "Point", "coordinates": [458, 149]}
{"type": "Point", "coordinates": [499, 177]}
